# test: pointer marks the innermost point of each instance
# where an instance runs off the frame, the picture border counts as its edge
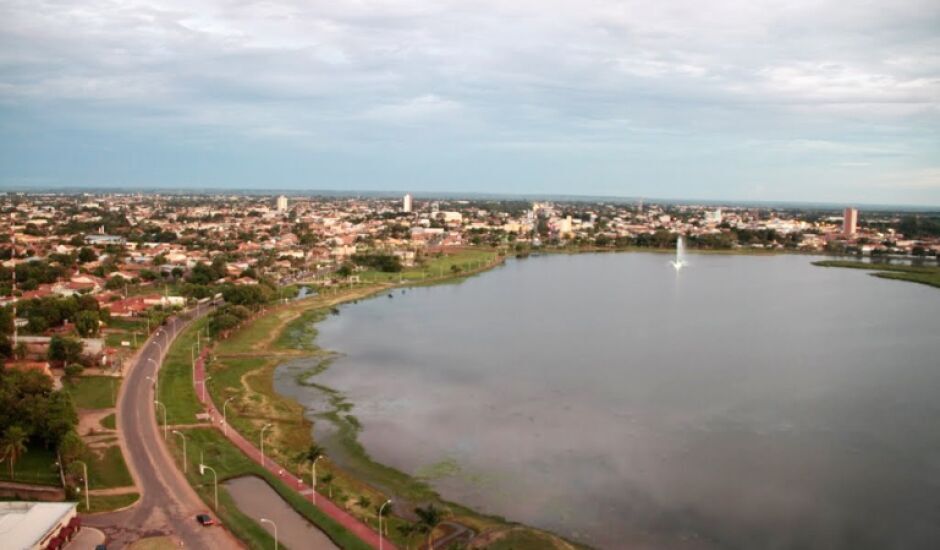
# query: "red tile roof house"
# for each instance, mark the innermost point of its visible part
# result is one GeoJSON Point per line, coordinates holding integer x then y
{"type": "Point", "coordinates": [128, 307]}
{"type": "Point", "coordinates": [41, 366]}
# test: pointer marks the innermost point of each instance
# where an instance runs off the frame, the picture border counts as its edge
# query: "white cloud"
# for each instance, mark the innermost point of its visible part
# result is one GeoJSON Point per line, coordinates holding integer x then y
{"type": "Point", "coordinates": [527, 73]}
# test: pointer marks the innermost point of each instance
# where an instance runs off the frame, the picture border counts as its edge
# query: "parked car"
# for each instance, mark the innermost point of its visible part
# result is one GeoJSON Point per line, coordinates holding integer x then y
{"type": "Point", "coordinates": [205, 520]}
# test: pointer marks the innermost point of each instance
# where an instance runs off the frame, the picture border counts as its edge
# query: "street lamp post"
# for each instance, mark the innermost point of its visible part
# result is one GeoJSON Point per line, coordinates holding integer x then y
{"type": "Point", "coordinates": [204, 380]}
{"type": "Point", "coordinates": [263, 428]}
{"type": "Point", "coordinates": [162, 406]}
{"type": "Point", "coordinates": [159, 346]}
{"type": "Point", "coordinates": [183, 437]}
{"type": "Point", "coordinates": [215, 476]}
{"type": "Point", "coordinates": [87, 495]}
{"type": "Point", "coordinates": [225, 415]}
{"type": "Point", "coordinates": [265, 520]}
{"type": "Point", "coordinates": [313, 480]}
{"type": "Point", "coordinates": [155, 379]}
{"type": "Point", "coordinates": [381, 509]}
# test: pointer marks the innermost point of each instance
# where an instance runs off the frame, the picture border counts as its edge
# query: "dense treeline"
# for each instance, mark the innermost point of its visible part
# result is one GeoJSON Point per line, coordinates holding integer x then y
{"type": "Point", "coordinates": [29, 275]}
{"type": "Point", "coordinates": [53, 311]}
{"type": "Point", "coordinates": [920, 226]}
{"type": "Point", "coordinates": [380, 262]}
{"type": "Point", "coordinates": [33, 414]}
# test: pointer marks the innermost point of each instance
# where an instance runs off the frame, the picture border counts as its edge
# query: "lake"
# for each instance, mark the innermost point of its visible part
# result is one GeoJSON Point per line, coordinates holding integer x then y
{"type": "Point", "coordinates": [744, 402]}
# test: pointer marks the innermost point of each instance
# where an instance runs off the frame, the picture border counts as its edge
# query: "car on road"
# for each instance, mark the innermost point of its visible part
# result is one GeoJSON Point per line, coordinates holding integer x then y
{"type": "Point", "coordinates": [205, 520]}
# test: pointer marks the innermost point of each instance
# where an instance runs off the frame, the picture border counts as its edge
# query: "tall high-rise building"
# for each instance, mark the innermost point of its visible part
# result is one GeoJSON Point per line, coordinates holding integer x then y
{"type": "Point", "coordinates": [406, 203]}
{"type": "Point", "coordinates": [849, 221]}
{"type": "Point", "coordinates": [282, 204]}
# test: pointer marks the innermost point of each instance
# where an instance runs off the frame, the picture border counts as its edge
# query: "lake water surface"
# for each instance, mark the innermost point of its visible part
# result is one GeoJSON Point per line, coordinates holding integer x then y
{"type": "Point", "coordinates": [745, 402]}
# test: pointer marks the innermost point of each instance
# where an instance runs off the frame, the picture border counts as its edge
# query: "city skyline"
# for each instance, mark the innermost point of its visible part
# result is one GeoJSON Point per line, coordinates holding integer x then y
{"type": "Point", "coordinates": [794, 102]}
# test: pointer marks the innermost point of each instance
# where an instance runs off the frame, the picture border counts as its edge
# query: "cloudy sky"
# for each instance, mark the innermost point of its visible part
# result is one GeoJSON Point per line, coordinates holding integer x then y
{"type": "Point", "coordinates": [740, 100]}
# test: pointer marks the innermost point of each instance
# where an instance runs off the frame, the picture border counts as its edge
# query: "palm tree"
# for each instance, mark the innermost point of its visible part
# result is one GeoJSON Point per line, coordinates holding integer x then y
{"type": "Point", "coordinates": [428, 519]}
{"type": "Point", "coordinates": [406, 530]}
{"type": "Point", "coordinates": [327, 478]}
{"type": "Point", "coordinates": [13, 445]}
{"type": "Point", "coordinates": [310, 455]}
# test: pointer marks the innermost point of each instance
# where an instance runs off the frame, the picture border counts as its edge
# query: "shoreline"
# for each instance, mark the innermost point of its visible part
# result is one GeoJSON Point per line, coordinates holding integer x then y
{"type": "Point", "coordinates": [295, 339]}
{"type": "Point", "coordinates": [292, 337]}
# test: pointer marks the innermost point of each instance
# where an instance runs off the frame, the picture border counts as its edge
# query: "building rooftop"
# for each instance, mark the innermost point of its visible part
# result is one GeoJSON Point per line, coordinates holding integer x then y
{"type": "Point", "coordinates": [24, 524]}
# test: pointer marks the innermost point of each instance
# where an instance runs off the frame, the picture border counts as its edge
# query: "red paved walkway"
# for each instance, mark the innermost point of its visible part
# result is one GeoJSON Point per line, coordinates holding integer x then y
{"type": "Point", "coordinates": [361, 530]}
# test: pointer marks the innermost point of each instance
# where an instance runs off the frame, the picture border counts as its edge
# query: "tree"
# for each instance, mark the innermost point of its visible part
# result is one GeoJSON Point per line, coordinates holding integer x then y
{"type": "Point", "coordinates": [428, 519]}
{"type": "Point", "coordinates": [71, 447]}
{"type": "Point", "coordinates": [115, 283]}
{"type": "Point", "coordinates": [87, 323]}
{"type": "Point", "coordinates": [73, 370]}
{"type": "Point", "coordinates": [13, 445]}
{"type": "Point", "coordinates": [86, 255]}
{"type": "Point", "coordinates": [65, 349]}
{"type": "Point", "coordinates": [311, 453]}
{"type": "Point", "coordinates": [406, 530]}
{"type": "Point", "coordinates": [327, 479]}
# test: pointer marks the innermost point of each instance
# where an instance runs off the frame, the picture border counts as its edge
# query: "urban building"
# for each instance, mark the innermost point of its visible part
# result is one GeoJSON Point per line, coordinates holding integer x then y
{"type": "Point", "coordinates": [713, 216]}
{"type": "Point", "coordinates": [406, 203]}
{"type": "Point", "coordinates": [282, 204]}
{"type": "Point", "coordinates": [850, 221]}
{"type": "Point", "coordinates": [37, 525]}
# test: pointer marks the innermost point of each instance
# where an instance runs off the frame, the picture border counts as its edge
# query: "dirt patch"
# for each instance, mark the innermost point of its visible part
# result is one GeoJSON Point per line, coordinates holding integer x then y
{"type": "Point", "coordinates": [89, 422]}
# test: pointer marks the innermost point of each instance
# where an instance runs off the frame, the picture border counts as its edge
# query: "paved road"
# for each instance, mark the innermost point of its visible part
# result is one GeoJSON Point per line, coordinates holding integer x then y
{"type": "Point", "coordinates": [168, 504]}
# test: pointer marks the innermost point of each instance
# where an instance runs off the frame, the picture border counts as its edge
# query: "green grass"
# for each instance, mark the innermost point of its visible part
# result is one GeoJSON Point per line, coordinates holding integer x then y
{"type": "Point", "coordinates": [229, 462]}
{"type": "Point", "coordinates": [106, 468]}
{"type": "Point", "coordinates": [176, 378]}
{"type": "Point", "coordinates": [93, 392]}
{"type": "Point", "coordinates": [109, 422]}
{"type": "Point", "coordinates": [129, 324]}
{"type": "Point", "coordinates": [114, 339]}
{"type": "Point", "coordinates": [926, 275]}
{"type": "Point", "coordinates": [435, 266]}
{"type": "Point", "coordinates": [521, 540]}
{"type": "Point", "coordinates": [36, 466]}
{"type": "Point", "coordinates": [106, 503]}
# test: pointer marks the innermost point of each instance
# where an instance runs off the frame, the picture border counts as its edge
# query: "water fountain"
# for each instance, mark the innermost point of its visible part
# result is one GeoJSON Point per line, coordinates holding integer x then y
{"type": "Point", "coordinates": [679, 262]}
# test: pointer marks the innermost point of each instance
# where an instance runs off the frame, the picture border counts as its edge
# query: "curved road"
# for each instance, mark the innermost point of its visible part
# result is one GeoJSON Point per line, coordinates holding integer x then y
{"type": "Point", "coordinates": [168, 505]}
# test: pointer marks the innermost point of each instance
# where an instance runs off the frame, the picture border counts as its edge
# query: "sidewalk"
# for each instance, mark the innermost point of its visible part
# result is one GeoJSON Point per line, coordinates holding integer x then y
{"type": "Point", "coordinates": [350, 523]}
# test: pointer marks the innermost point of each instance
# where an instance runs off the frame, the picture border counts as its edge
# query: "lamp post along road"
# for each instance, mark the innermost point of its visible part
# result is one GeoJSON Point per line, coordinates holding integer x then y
{"type": "Point", "coordinates": [313, 480]}
{"type": "Point", "coordinates": [183, 437]}
{"type": "Point", "coordinates": [162, 407]}
{"type": "Point", "coordinates": [381, 509]}
{"type": "Point", "coordinates": [87, 494]}
{"type": "Point", "coordinates": [263, 428]}
{"type": "Point", "coordinates": [225, 416]}
{"type": "Point", "coordinates": [265, 520]}
{"type": "Point", "coordinates": [204, 380]}
{"type": "Point", "coordinates": [215, 477]}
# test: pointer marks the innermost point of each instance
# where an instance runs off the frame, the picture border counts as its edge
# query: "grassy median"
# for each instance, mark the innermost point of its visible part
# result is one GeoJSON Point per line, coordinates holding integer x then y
{"type": "Point", "coordinates": [176, 378]}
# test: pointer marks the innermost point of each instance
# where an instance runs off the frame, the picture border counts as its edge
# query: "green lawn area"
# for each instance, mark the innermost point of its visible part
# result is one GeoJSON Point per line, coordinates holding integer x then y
{"type": "Point", "coordinates": [106, 468]}
{"type": "Point", "coordinates": [115, 339]}
{"type": "Point", "coordinates": [435, 266]}
{"type": "Point", "coordinates": [229, 462]}
{"type": "Point", "coordinates": [176, 378]}
{"type": "Point", "coordinates": [106, 503]}
{"type": "Point", "coordinates": [37, 466]}
{"type": "Point", "coordinates": [128, 324]}
{"type": "Point", "coordinates": [927, 275]}
{"type": "Point", "coordinates": [109, 422]}
{"type": "Point", "coordinates": [93, 392]}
